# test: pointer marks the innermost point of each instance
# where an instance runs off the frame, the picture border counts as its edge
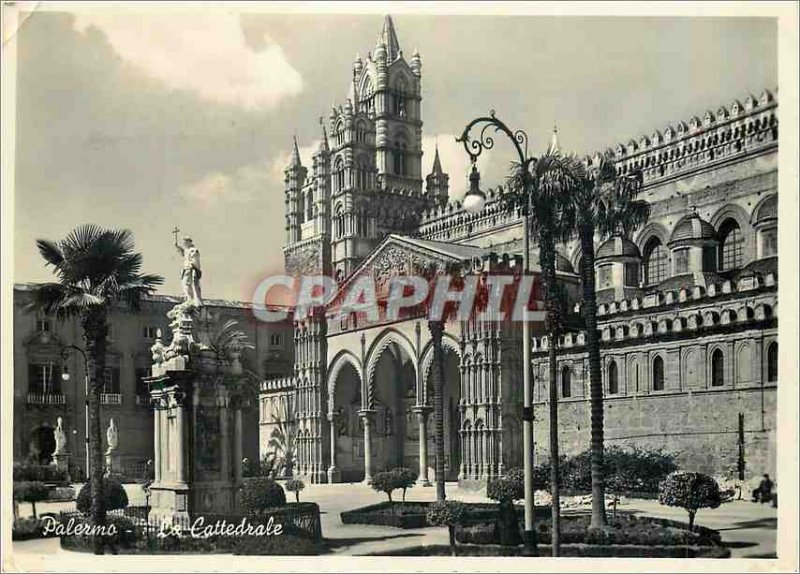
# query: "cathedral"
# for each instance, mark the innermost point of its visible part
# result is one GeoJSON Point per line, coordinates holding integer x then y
{"type": "Point", "coordinates": [687, 305]}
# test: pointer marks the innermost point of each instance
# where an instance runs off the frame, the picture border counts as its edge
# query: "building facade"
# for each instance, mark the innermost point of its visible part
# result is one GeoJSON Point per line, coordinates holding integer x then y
{"type": "Point", "coordinates": [687, 315]}
{"type": "Point", "coordinates": [42, 392]}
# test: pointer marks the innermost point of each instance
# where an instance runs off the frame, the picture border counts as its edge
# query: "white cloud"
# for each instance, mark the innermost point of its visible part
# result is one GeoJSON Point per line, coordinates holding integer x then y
{"type": "Point", "coordinates": [203, 53]}
{"type": "Point", "coordinates": [245, 183]}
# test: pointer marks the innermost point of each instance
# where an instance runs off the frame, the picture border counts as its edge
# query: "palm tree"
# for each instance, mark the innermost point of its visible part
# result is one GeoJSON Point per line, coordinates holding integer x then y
{"type": "Point", "coordinates": [540, 192]}
{"type": "Point", "coordinates": [605, 203]}
{"type": "Point", "coordinates": [283, 444]}
{"type": "Point", "coordinates": [96, 269]}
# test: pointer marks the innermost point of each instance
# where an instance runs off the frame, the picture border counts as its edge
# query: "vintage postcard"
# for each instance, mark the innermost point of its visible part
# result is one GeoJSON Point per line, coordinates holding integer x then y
{"type": "Point", "coordinates": [400, 286]}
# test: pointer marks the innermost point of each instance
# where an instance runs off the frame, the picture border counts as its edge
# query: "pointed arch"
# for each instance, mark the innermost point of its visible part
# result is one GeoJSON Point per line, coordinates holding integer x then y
{"type": "Point", "coordinates": [449, 343]}
{"type": "Point", "coordinates": [342, 359]}
{"type": "Point", "coordinates": [383, 340]}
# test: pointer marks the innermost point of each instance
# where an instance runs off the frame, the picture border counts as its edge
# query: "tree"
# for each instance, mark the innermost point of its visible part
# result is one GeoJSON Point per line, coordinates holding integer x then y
{"type": "Point", "coordinates": [295, 486]}
{"type": "Point", "coordinates": [447, 513]}
{"type": "Point", "coordinates": [31, 491]}
{"type": "Point", "coordinates": [385, 481]}
{"type": "Point", "coordinates": [690, 491]}
{"type": "Point", "coordinates": [599, 201]}
{"type": "Point", "coordinates": [405, 478]}
{"type": "Point", "coordinates": [282, 445]}
{"type": "Point", "coordinates": [505, 490]}
{"type": "Point", "coordinates": [538, 188]}
{"type": "Point", "coordinates": [96, 269]}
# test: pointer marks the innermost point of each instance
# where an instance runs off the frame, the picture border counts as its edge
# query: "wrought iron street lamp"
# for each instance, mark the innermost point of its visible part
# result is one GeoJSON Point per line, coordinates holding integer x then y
{"type": "Point", "coordinates": [66, 376]}
{"type": "Point", "coordinates": [474, 201]}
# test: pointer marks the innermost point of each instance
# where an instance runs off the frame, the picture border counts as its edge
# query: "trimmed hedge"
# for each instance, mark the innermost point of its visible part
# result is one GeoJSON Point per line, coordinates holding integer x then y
{"type": "Point", "coordinates": [27, 472]}
{"type": "Point", "coordinates": [568, 550]}
{"type": "Point", "coordinates": [413, 514]}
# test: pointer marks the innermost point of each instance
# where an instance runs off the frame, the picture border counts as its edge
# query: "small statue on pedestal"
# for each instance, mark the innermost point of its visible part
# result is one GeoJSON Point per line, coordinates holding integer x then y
{"type": "Point", "coordinates": [60, 437]}
{"type": "Point", "coordinates": [191, 272]}
{"type": "Point", "coordinates": [112, 436]}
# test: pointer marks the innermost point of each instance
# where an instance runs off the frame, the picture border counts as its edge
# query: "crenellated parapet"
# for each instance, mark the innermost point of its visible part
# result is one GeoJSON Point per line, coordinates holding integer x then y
{"type": "Point", "coordinates": [728, 134]}
{"type": "Point", "coordinates": [746, 302]}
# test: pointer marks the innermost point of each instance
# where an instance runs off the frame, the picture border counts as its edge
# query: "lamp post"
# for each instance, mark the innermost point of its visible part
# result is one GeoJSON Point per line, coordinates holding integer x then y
{"type": "Point", "coordinates": [66, 376]}
{"type": "Point", "coordinates": [474, 202]}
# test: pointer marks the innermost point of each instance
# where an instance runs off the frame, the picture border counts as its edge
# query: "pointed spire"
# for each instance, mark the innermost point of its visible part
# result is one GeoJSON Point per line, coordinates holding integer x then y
{"type": "Point", "coordinates": [554, 141]}
{"type": "Point", "coordinates": [323, 145]}
{"type": "Point", "coordinates": [437, 165]}
{"type": "Point", "coordinates": [295, 154]}
{"type": "Point", "coordinates": [388, 38]}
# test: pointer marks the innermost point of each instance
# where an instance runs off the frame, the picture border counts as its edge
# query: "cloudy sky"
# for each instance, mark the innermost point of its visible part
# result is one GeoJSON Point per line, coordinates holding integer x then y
{"type": "Point", "coordinates": [148, 121]}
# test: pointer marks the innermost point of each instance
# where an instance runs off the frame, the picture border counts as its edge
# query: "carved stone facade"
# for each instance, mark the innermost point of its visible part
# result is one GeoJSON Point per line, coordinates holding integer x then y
{"type": "Point", "coordinates": [687, 307]}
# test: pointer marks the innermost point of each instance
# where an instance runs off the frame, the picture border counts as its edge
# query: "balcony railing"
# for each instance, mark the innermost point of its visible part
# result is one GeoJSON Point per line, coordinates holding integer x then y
{"type": "Point", "coordinates": [46, 399]}
{"type": "Point", "coordinates": [143, 400]}
{"type": "Point", "coordinates": [110, 399]}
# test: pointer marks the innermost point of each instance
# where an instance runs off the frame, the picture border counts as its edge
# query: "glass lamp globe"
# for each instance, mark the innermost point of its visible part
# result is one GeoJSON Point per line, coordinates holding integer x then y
{"type": "Point", "coordinates": [475, 199]}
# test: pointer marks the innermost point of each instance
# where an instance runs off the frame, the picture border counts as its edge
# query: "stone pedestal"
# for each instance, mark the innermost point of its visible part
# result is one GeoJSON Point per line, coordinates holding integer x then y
{"type": "Point", "coordinates": [61, 461]}
{"type": "Point", "coordinates": [113, 464]}
{"type": "Point", "coordinates": [197, 428]}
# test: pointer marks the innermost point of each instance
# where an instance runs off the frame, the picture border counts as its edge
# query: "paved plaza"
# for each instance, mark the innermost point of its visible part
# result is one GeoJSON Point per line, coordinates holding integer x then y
{"type": "Point", "coordinates": [748, 529]}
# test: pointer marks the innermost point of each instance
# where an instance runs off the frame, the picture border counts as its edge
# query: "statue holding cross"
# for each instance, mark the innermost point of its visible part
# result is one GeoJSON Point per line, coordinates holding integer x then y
{"type": "Point", "coordinates": [191, 272]}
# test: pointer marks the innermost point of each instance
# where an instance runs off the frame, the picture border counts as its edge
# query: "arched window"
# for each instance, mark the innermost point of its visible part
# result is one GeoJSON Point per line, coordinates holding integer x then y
{"type": "Point", "coordinates": [400, 158]}
{"type": "Point", "coordinates": [655, 262]}
{"type": "Point", "coordinates": [309, 205]}
{"type": "Point", "coordinates": [362, 174]}
{"type": "Point", "coordinates": [658, 374]}
{"type": "Point", "coordinates": [772, 362]}
{"type": "Point", "coordinates": [338, 175]}
{"type": "Point", "coordinates": [566, 382]}
{"type": "Point", "coordinates": [613, 379]}
{"type": "Point", "coordinates": [717, 369]}
{"type": "Point", "coordinates": [338, 222]}
{"type": "Point", "coordinates": [730, 245]}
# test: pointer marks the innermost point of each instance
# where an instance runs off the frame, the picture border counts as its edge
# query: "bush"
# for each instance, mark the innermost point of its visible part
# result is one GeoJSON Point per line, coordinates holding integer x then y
{"type": "Point", "coordinates": [635, 470]}
{"type": "Point", "coordinates": [506, 490]}
{"type": "Point", "coordinates": [295, 485]}
{"type": "Point", "coordinates": [32, 491]}
{"type": "Point", "coordinates": [260, 493]}
{"type": "Point", "coordinates": [404, 479]}
{"type": "Point", "coordinates": [61, 494]}
{"type": "Point", "coordinates": [30, 472]}
{"type": "Point", "coordinates": [385, 481]}
{"type": "Point", "coordinates": [113, 493]}
{"type": "Point", "coordinates": [27, 528]}
{"type": "Point", "coordinates": [481, 533]}
{"type": "Point", "coordinates": [690, 491]}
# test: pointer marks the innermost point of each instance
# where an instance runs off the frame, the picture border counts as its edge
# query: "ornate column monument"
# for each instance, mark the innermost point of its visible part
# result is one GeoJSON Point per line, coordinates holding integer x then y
{"type": "Point", "coordinates": [197, 428]}
{"type": "Point", "coordinates": [61, 454]}
{"type": "Point", "coordinates": [112, 453]}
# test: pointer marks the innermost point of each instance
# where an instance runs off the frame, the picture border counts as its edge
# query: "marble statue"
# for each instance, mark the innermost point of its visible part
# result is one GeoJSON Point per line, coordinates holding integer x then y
{"type": "Point", "coordinates": [191, 272]}
{"type": "Point", "coordinates": [61, 437]}
{"type": "Point", "coordinates": [112, 436]}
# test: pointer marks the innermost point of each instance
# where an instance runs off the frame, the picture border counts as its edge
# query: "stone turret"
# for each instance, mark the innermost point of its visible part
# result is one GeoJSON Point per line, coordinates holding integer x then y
{"type": "Point", "coordinates": [437, 182]}
{"type": "Point", "coordinates": [295, 179]}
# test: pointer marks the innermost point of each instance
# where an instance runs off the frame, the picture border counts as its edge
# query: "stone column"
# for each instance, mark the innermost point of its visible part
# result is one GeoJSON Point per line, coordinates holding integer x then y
{"type": "Point", "coordinates": [366, 416]}
{"type": "Point", "coordinates": [237, 445]}
{"type": "Point", "coordinates": [422, 415]}
{"type": "Point", "coordinates": [157, 439]}
{"type": "Point", "coordinates": [225, 439]}
{"type": "Point", "coordinates": [333, 471]}
{"type": "Point", "coordinates": [180, 445]}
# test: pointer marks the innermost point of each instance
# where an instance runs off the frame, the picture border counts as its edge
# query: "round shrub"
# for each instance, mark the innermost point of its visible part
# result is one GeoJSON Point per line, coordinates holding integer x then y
{"type": "Point", "coordinates": [506, 489]}
{"type": "Point", "coordinates": [113, 493]}
{"type": "Point", "coordinates": [404, 479]}
{"type": "Point", "coordinates": [690, 491]}
{"type": "Point", "coordinates": [295, 485]}
{"type": "Point", "coordinates": [259, 493]}
{"type": "Point", "coordinates": [385, 481]}
{"type": "Point", "coordinates": [446, 513]}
